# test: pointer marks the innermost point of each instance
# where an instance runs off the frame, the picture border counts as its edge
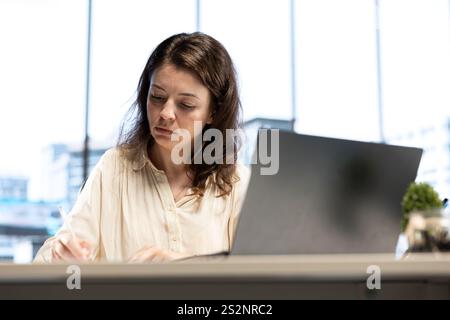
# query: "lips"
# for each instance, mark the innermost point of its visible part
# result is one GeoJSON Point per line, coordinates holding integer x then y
{"type": "Point", "coordinates": [164, 131]}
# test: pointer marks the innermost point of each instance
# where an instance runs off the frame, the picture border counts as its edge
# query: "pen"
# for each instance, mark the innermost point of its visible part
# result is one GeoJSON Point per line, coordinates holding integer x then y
{"type": "Point", "coordinates": [63, 214]}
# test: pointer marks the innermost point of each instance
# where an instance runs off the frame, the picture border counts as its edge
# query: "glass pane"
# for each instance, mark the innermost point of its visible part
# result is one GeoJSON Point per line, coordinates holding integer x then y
{"type": "Point", "coordinates": [124, 33]}
{"type": "Point", "coordinates": [41, 115]}
{"type": "Point", "coordinates": [336, 69]}
{"type": "Point", "coordinates": [415, 50]}
{"type": "Point", "coordinates": [258, 41]}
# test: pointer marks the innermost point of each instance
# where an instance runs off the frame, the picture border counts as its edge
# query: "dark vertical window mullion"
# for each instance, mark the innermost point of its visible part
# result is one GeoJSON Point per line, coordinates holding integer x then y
{"type": "Point", "coordinates": [293, 71]}
{"type": "Point", "coordinates": [198, 15]}
{"type": "Point", "coordinates": [87, 102]}
{"type": "Point", "coordinates": [379, 75]}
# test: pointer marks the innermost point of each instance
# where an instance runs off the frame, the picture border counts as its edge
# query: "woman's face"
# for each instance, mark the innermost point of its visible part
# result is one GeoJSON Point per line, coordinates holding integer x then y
{"type": "Point", "coordinates": [176, 99]}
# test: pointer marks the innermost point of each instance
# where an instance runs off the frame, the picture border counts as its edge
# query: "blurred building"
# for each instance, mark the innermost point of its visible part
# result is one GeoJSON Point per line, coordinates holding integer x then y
{"type": "Point", "coordinates": [13, 188]}
{"type": "Point", "coordinates": [75, 170]}
{"type": "Point", "coordinates": [60, 176]}
{"type": "Point", "coordinates": [434, 139]}
{"type": "Point", "coordinates": [251, 128]}
{"type": "Point", "coordinates": [24, 226]}
{"type": "Point", "coordinates": [29, 207]}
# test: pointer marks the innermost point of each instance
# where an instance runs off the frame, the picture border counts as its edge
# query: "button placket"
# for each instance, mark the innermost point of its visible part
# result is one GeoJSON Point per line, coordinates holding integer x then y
{"type": "Point", "coordinates": [175, 241]}
{"type": "Point", "coordinates": [171, 211]}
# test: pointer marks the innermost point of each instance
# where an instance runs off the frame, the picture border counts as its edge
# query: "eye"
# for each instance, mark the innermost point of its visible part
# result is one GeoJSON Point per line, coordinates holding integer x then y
{"type": "Point", "coordinates": [187, 106]}
{"type": "Point", "coordinates": [156, 98]}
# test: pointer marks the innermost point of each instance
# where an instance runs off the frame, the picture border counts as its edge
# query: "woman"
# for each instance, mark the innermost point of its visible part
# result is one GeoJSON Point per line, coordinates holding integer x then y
{"type": "Point", "coordinates": [138, 204]}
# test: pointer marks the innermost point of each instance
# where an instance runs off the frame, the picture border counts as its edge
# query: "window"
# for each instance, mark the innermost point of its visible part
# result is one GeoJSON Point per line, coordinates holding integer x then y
{"type": "Point", "coordinates": [336, 69]}
{"type": "Point", "coordinates": [124, 33]}
{"type": "Point", "coordinates": [256, 33]}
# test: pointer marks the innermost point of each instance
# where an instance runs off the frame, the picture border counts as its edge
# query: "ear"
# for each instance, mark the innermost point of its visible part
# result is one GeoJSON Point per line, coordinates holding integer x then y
{"type": "Point", "coordinates": [210, 118]}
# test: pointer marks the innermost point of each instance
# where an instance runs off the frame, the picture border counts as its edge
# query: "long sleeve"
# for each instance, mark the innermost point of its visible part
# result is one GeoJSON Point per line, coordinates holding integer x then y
{"type": "Point", "coordinates": [83, 220]}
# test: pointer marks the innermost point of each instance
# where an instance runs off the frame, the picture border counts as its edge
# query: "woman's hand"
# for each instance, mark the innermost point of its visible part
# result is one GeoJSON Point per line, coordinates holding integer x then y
{"type": "Point", "coordinates": [154, 254]}
{"type": "Point", "coordinates": [67, 248]}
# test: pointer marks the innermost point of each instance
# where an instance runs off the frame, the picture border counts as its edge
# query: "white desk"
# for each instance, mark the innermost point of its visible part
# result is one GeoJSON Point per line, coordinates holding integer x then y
{"type": "Point", "coordinates": [238, 277]}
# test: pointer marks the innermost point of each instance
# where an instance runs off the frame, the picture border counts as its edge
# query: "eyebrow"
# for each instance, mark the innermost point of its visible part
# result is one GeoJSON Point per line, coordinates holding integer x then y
{"type": "Point", "coordinates": [189, 95]}
{"type": "Point", "coordinates": [181, 94]}
{"type": "Point", "coordinates": [159, 87]}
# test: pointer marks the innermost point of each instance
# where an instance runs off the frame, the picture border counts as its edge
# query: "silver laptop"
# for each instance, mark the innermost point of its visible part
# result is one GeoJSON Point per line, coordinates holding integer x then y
{"type": "Point", "coordinates": [329, 196]}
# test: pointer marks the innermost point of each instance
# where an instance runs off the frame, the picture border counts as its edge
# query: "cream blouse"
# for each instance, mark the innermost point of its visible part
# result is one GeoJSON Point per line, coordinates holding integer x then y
{"type": "Point", "coordinates": [126, 205]}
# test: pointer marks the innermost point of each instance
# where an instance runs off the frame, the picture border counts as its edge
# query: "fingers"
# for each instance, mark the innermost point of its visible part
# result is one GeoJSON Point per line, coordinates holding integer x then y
{"type": "Point", "coordinates": [67, 248]}
{"type": "Point", "coordinates": [149, 254]}
{"type": "Point", "coordinates": [142, 255]}
{"type": "Point", "coordinates": [180, 256]}
{"type": "Point", "coordinates": [87, 248]}
{"type": "Point", "coordinates": [55, 256]}
{"type": "Point", "coordinates": [60, 253]}
{"type": "Point", "coordinates": [160, 256]}
{"type": "Point", "coordinates": [74, 246]}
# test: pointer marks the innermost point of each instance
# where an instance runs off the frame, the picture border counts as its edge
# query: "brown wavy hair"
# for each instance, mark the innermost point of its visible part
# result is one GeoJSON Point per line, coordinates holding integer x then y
{"type": "Point", "coordinates": [208, 59]}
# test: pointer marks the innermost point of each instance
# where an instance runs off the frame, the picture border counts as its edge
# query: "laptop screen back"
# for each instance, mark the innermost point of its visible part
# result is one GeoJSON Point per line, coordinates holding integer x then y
{"type": "Point", "coordinates": [329, 196]}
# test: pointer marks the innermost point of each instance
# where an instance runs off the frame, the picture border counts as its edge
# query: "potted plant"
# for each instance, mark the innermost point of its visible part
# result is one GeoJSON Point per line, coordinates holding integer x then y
{"type": "Point", "coordinates": [423, 222]}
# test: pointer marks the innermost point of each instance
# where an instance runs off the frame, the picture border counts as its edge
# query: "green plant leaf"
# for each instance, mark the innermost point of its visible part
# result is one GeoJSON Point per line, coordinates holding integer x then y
{"type": "Point", "coordinates": [418, 197]}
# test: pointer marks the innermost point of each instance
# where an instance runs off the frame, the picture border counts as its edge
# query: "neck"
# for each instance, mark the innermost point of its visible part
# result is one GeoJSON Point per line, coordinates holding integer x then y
{"type": "Point", "coordinates": [161, 158]}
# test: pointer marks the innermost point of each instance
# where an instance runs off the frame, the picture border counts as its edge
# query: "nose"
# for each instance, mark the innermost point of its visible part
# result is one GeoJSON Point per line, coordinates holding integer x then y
{"type": "Point", "coordinates": [168, 111]}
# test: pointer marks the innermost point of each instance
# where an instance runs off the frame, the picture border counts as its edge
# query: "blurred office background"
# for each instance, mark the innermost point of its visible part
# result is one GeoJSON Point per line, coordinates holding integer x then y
{"type": "Point", "coordinates": [370, 70]}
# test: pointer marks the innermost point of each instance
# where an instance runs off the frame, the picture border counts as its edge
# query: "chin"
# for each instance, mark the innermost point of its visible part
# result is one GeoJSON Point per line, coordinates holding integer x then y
{"type": "Point", "coordinates": [164, 143]}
